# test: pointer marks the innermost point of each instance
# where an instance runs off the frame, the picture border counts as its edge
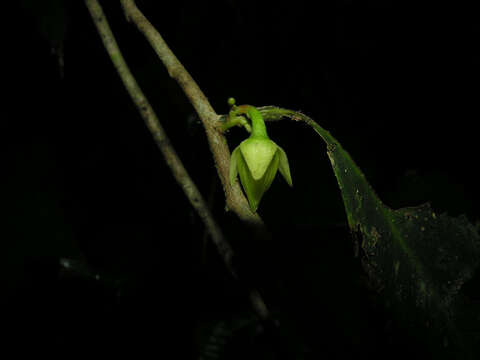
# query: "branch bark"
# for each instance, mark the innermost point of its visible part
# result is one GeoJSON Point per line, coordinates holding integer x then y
{"type": "Point", "coordinates": [163, 142]}
{"type": "Point", "coordinates": [234, 196]}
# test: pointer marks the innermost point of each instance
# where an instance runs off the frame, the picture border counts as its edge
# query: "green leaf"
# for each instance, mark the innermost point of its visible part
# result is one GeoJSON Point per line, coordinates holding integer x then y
{"type": "Point", "coordinates": [417, 259]}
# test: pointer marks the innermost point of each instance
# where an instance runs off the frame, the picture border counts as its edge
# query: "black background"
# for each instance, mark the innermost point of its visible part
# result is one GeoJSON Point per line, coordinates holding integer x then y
{"type": "Point", "coordinates": [396, 82]}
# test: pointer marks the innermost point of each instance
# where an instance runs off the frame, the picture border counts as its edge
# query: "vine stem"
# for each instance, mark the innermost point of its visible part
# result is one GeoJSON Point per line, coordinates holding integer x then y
{"type": "Point", "coordinates": [235, 199]}
{"type": "Point", "coordinates": [163, 142]}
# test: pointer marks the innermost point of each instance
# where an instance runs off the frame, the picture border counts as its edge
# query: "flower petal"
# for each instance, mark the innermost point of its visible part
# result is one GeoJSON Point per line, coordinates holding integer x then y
{"type": "Point", "coordinates": [249, 184]}
{"type": "Point", "coordinates": [283, 166]}
{"type": "Point", "coordinates": [255, 189]}
{"type": "Point", "coordinates": [233, 165]}
{"type": "Point", "coordinates": [258, 154]}
{"type": "Point", "coordinates": [270, 173]}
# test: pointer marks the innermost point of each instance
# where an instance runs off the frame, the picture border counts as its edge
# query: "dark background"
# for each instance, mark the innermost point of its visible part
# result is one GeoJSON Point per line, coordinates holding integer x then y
{"type": "Point", "coordinates": [99, 248]}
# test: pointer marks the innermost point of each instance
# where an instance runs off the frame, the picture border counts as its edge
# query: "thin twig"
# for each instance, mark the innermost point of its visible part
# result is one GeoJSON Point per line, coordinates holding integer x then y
{"type": "Point", "coordinates": [172, 159]}
{"type": "Point", "coordinates": [234, 196]}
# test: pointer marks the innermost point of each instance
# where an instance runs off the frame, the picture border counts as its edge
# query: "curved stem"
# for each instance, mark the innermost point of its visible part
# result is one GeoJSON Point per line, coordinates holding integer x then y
{"type": "Point", "coordinates": [258, 125]}
{"type": "Point", "coordinates": [234, 196]}
{"type": "Point", "coordinates": [236, 121]}
{"type": "Point", "coordinates": [146, 111]}
{"type": "Point", "coordinates": [274, 113]}
{"type": "Point", "coordinates": [172, 159]}
{"type": "Point", "coordinates": [257, 128]}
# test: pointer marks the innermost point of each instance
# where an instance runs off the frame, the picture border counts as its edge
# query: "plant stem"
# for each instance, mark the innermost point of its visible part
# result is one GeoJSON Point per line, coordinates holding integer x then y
{"type": "Point", "coordinates": [258, 125]}
{"type": "Point", "coordinates": [234, 196]}
{"type": "Point", "coordinates": [162, 141]}
{"type": "Point", "coordinates": [236, 121]}
{"type": "Point", "coordinates": [155, 127]}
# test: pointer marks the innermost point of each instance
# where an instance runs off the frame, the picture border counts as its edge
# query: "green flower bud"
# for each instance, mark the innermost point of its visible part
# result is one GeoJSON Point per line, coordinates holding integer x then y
{"type": "Point", "coordinates": [257, 160]}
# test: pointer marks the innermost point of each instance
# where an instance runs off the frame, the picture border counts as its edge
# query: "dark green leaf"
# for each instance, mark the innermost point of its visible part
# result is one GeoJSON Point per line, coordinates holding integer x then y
{"type": "Point", "coordinates": [416, 258]}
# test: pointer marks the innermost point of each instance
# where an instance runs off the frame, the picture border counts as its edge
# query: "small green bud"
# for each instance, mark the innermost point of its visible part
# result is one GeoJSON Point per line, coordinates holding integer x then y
{"type": "Point", "coordinates": [231, 101]}
{"type": "Point", "coordinates": [257, 160]}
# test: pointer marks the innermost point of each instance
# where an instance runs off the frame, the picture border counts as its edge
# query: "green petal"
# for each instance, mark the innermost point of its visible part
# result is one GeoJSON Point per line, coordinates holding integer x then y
{"type": "Point", "coordinates": [283, 166]}
{"type": "Point", "coordinates": [269, 175]}
{"type": "Point", "coordinates": [258, 154]}
{"type": "Point", "coordinates": [233, 165]}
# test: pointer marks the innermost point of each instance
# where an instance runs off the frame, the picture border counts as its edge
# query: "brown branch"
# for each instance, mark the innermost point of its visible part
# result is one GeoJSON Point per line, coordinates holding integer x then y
{"type": "Point", "coordinates": [162, 141]}
{"type": "Point", "coordinates": [234, 196]}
